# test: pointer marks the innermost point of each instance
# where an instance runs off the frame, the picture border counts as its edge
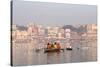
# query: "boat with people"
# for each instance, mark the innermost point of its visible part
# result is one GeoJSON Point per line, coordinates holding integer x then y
{"type": "Point", "coordinates": [55, 47]}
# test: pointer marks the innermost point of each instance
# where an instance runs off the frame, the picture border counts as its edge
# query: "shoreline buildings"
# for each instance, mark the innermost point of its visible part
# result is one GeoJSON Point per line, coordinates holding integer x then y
{"type": "Point", "coordinates": [33, 30]}
{"type": "Point", "coordinates": [39, 36]}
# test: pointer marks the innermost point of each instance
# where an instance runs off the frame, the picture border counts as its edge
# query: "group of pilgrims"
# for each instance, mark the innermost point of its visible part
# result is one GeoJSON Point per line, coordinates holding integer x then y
{"type": "Point", "coordinates": [54, 45]}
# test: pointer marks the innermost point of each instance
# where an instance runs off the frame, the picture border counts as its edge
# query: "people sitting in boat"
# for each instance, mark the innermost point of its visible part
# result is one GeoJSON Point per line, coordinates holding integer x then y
{"type": "Point", "coordinates": [48, 46]}
{"type": "Point", "coordinates": [55, 45]}
{"type": "Point", "coordinates": [52, 46]}
{"type": "Point", "coordinates": [58, 46]}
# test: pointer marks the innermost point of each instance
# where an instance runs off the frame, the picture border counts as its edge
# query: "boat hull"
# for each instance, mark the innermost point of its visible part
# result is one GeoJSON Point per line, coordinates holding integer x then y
{"type": "Point", "coordinates": [68, 48]}
{"type": "Point", "coordinates": [51, 50]}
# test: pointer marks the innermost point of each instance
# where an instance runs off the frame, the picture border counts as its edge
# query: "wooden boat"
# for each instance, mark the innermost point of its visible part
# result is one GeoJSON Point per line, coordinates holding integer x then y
{"type": "Point", "coordinates": [51, 50]}
{"type": "Point", "coordinates": [69, 48]}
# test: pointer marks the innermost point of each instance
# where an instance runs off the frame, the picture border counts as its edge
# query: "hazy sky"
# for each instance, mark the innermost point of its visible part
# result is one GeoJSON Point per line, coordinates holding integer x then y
{"type": "Point", "coordinates": [52, 14]}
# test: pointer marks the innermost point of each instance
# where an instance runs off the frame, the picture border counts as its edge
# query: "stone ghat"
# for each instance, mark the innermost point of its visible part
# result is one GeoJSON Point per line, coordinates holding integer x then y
{"type": "Point", "coordinates": [22, 41]}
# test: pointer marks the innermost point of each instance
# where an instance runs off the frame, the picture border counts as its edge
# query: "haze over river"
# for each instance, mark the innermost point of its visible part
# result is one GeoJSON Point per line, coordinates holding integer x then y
{"type": "Point", "coordinates": [25, 54]}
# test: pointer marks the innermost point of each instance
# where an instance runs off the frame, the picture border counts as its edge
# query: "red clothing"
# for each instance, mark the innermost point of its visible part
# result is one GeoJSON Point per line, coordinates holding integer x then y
{"type": "Point", "coordinates": [58, 46]}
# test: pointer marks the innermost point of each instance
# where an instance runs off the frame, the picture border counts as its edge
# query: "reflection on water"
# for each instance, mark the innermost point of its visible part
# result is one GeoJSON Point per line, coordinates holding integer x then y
{"type": "Point", "coordinates": [83, 51]}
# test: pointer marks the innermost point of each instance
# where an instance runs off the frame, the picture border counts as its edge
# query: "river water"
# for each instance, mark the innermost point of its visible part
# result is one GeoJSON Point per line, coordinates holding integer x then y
{"type": "Point", "coordinates": [25, 54]}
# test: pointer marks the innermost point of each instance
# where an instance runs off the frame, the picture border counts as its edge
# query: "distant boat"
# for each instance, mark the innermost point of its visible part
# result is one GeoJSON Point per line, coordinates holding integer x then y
{"type": "Point", "coordinates": [37, 50]}
{"type": "Point", "coordinates": [69, 48]}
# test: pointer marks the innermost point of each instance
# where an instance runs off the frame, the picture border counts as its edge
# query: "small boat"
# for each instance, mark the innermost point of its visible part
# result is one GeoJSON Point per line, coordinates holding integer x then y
{"type": "Point", "coordinates": [51, 50]}
{"type": "Point", "coordinates": [69, 48]}
{"type": "Point", "coordinates": [37, 50]}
